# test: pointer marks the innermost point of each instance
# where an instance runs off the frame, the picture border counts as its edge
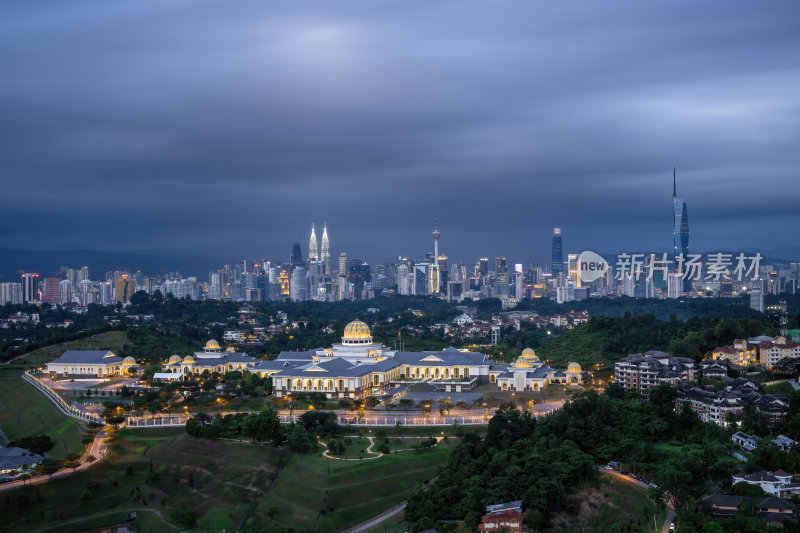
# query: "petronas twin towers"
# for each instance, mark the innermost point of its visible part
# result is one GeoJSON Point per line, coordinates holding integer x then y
{"type": "Point", "coordinates": [314, 253]}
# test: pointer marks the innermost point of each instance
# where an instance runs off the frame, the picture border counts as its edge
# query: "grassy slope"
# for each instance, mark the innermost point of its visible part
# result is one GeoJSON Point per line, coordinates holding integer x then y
{"type": "Point", "coordinates": [219, 480]}
{"type": "Point", "coordinates": [356, 490]}
{"type": "Point", "coordinates": [25, 412]}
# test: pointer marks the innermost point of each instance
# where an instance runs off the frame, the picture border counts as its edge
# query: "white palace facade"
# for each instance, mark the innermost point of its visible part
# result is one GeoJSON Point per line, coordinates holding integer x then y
{"type": "Point", "coordinates": [359, 367]}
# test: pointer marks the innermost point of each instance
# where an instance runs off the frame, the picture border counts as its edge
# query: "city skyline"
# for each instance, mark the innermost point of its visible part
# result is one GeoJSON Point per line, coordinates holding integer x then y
{"type": "Point", "coordinates": [570, 117]}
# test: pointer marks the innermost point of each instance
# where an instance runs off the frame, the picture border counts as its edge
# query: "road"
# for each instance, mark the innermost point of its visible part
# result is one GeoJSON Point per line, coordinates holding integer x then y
{"type": "Point", "coordinates": [366, 526]}
{"type": "Point", "coordinates": [97, 449]}
{"type": "Point", "coordinates": [628, 479]}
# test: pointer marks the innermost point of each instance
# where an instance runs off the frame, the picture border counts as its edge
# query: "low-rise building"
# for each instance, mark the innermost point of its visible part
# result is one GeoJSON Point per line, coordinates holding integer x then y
{"type": "Point", "coordinates": [18, 459]}
{"type": "Point", "coordinates": [773, 352]}
{"type": "Point", "coordinates": [777, 483]}
{"type": "Point", "coordinates": [528, 373]}
{"type": "Point", "coordinates": [771, 509]}
{"type": "Point", "coordinates": [740, 353]}
{"type": "Point", "coordinates": [712, 405]}
{"type": "Point", "coordinates": [211, 359]}
{"type": "Point", "coordinates": [90, 364]}
{"type": "Point", "coordinates": [503, 516]}
{"type": "Point", "coordinates": [642, 371]}
{"type": "Point", "coordinates": [745, 441]}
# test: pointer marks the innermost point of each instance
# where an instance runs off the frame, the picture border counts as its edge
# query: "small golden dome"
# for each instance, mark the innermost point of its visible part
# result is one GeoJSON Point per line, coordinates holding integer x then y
{"type": "Point", "coordinates": [356, 330]}
{"type": "Point", "coordinates": [212, 345]}
{"type": "Point", "coordinates": [528, 352]}
{"type": "Point", "coordinates": [522, 363]}
{"type": "Point", "coordinates": [188, 359]}
{"type": "Point", "coordinates": [574, 367]}
{"type": "Point", "coordinates": [174, 359]}
{"type": "Point", "coordinates": [128, 361]}
{"type": "Point", "coordinates": [231, 349]}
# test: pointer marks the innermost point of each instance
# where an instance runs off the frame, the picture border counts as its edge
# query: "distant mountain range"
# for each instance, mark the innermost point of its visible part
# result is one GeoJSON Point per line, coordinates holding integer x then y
{"type": "Point", "coordinates": [44, 262]}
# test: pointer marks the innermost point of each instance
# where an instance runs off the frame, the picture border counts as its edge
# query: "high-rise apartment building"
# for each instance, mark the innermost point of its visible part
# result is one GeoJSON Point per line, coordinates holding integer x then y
{"type": "Point", "coordinates": [51, 290]}
{"type": "Point", "coordinates": [10, 293]}
{"type": "Point", "coordinates": [125, 287]}
{"type": "Point", "coordinates": [65, 292]}
{"type": "Point", "coordinates": [558, 253]}
{"type": "Point", "coordinates": [299, 291]}
{"type": "Point", "coordinates": [30, 287]}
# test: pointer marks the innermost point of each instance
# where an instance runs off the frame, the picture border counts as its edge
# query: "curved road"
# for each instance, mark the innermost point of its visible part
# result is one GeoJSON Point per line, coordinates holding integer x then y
{"type": "Point", "coordinates": [97, 449]}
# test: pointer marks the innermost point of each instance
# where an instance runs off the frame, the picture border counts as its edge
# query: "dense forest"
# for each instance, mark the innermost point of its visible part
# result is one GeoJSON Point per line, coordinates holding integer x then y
{"type": "Point", "coordinates": [542, 462]}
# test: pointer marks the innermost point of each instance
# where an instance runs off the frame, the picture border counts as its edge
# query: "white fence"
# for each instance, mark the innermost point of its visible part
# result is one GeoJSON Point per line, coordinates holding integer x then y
{"type": "Point", "coordinates": [71, 410]}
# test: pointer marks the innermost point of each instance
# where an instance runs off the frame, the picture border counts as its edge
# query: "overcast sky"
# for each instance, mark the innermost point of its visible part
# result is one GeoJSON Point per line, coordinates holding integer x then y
{"type": "Point", "coordinates": [227, 128]}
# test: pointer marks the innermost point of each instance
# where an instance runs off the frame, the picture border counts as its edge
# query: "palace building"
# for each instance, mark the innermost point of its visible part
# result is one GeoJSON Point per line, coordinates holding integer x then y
{"type": "Point", "coordinates": [359, 367]}
{"type": "Point", "coordinates": [528, 373]}
{"type": "Point", "coordinates": [90, 364]}
{"type": "Point", "coordinates": [213, 359]}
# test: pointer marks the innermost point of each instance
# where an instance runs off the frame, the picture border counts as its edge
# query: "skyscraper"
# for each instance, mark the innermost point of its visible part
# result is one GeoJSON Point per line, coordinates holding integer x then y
{"type": "Point", "coordinates": [558, 253]}
{"type": "Point", "coordinates": [30, 287]}
{"type": "Point", "coordinates": [296, 258]}
{"type": "Point", "coordinates": [680, 228]}
{"type": "Point", "coordinates": [313, 251]}
{"type": "Point", "coordinates": [52, 290]}
{"type": "Point", "coordinates": [434, 281]}
{"type": "Point", "coordinates": [325, 256]}
{"type": "Point", "coordinates": [501, 277]}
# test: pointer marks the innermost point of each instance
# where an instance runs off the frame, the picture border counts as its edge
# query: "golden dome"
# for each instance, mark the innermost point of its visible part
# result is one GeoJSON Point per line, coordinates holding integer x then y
{"type": "Point", "coordinates": [528, 352]}
{"type": "Point", "coordinates": [128, 361]}
{"type": "Point", "coordinates": [357, 331]}
{"type": "Point", "coordinates": [521, 363]}
{"type": "Point", "coordinates": [574, 367]}
{"type": "Point", "coordinates": [188, 359]}
{"type": "Point", "coordinates": [174, 359]}
{"type": "Point", "coordinates": [231, 349]}
{"type": "Point", "coordinates": [212, 345]}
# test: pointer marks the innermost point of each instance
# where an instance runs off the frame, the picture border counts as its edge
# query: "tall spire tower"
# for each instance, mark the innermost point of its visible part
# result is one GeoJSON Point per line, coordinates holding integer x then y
{"type": "Point", "coordinates": [680, 229]}
{"type": "Point", "coordinates": [326, 250]}
{"type": "Point", "coordinates": [434, 279]}
{"type": "Point", "coordinates": [436, 240]}
{"type": "Point", "coordinates": [313, 251]}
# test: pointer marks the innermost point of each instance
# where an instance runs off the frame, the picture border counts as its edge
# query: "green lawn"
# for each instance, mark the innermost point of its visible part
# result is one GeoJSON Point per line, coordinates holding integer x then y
{"type": "Point", "coordinates": [356, 490]}
{"type": "Point", "coordinates": [25, 412]}
{"type": "Point", "coordinates": [219, 480]}
{"type": "Point", "coordinates": [780, 388]}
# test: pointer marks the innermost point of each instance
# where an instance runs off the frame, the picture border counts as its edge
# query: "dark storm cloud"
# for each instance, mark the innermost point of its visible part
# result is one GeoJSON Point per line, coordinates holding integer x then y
{"type": "Point", "coordinates": [200, 126]}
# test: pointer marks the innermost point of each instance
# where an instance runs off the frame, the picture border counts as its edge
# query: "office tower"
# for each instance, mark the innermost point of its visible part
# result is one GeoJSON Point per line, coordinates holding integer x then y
{"type": "Point", "coordinates": [297, 256]}
{"type": "Point", "coordinates": [285, 282]}
{"type": "Point", "coordinates": [343, 264]}
{"type": "Point", "coordinates": [125, 288]}
{"type": "Point", "coordinates": [674, 285]}
{"type": "Point", "coordinates": [501, 277]}
{"type": "Point", "coordinates": [83, 273]}
{"type": "Point", "coordinates": [757, 300]}
{"type": "Point", "coordinates": [444, 274]}
{"type": "Point", "coordinates": [557, 266]}
{"type": "Point", "coordinates": [680, 228]}
{"type": "Point", "coordinates": [313, 251]}
{"type": "Point", "coordinates": [325, 254]}
{"type": "Point", "coordinates": [10, 293]}
{"type": "Point", "coordinates": [51, 292]}
{"type": "Point", "coordinates": [403, 283]}
{"type": "Point", "coordinates": [573, 272]}
{"type": "Point", "coordinates": [298, 287]}
{"type": "Point", "coordinates": [421, 279]}
{"type": "Point", "coordinates": [30, 287]}
{"type": "Point", "coordinates": [482, 267]}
